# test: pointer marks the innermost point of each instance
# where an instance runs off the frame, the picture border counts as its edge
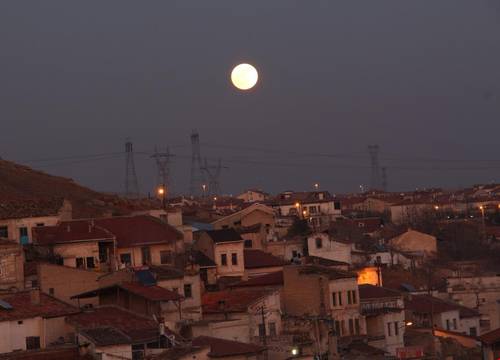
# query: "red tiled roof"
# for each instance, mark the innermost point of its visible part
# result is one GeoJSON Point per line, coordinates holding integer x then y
{"type": "Point", "coordinates": [367, 291]}
{"type": "Point", "coordinates": [23, 308]}
{"type": "Point", "coordinates": [223, 348]}
{"type": "Point", "coordinates": [139, 230]}
{"type": "Point", "coordinates": [136, 327]}
{"type": "Point", "coordinates": [153, 293]}
{"type": "Point", "coordinates": [425, 304]}
{"type": "Point", "coordinates": [272, 279]}
{"type": "Point", "coordinates": [258, 259]}
{"type": "Point", "coordinates": [230, 300]}
{"type": "Point", "coordinates": [491, 337]}
{"type": "Point", "coordinates": [70, 231]}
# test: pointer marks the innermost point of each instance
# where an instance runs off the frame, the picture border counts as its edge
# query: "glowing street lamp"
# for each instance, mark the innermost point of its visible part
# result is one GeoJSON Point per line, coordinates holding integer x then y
{"type": "Point", "coordinates": [204, 187]}
{"type": "Point", "coordinates": [316, 186]}
{"type": "Point", "coordinates": [162, 193]}
{"type": "Point", "coordinates": [295, 351]}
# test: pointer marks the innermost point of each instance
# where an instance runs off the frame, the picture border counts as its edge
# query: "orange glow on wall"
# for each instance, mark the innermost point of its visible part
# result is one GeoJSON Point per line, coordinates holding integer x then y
{"type": "Point", "coordinates": [369, 275]}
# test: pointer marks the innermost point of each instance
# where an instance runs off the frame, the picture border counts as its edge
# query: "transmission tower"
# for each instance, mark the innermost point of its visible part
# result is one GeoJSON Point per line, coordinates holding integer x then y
{"type": "Point", "coordinates": [131, 184]}
{"type": "Point", "coordinates": [375, 167]}
{"type": "Point", "coordinates": [213, 173]}
{"type": "Point", "coordinates": [196, 169]}
{"type": "Point", "coordinates": [384, 178]}
{"type": "Point", "coordinates": [162, 160]}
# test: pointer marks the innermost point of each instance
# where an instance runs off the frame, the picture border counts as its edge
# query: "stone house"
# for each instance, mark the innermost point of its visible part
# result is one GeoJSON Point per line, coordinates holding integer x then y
{"type": "Point", "coordinates": [11, 265]}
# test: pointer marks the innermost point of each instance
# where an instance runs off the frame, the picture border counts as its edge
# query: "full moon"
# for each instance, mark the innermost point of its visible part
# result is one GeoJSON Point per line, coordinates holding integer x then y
{"type": "Point", "coordinates": [244, 76]}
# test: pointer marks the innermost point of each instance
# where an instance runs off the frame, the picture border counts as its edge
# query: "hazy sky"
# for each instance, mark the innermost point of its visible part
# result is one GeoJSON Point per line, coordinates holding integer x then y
{"type": "Point", "coordinates": [419, 78]}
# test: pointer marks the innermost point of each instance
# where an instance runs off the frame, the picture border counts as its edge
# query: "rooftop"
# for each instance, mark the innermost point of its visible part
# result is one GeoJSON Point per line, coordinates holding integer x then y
{"type": "Point", "coordinates": [223, 348]}
{"type": "Point", "coordinates": [259, 259]}
{"type": "Point", "coordinates": [152, 293]}
{"type": "Point", "coordinates": [231, 300]}
{"type": "Point", "coordinates": [367, 292]}
{"type": "Point", "coordinates": [331, 273]}
{"type": "Point", "coordinates": [105, 336]}
{"type": "Point", "coordinates": [223, 235]}
{"type": "Point", "coordinates": [24, 308]}
{"type": "Point", "coordinates": [272, 279]}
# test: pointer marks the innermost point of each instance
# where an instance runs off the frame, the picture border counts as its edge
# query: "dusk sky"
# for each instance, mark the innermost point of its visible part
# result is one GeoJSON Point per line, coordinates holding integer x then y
{"type": "Point", "coordinates": [421, 79]}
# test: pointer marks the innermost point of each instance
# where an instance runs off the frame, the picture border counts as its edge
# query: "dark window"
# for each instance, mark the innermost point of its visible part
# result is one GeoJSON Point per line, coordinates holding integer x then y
{"type": "Point", "coordinates": [40, 224]}
{"type": "Point", "coordinates": [396, 328]}
{"type": "Point", "coordinates": [4, 232]}
{"type": "Point", "coordinates": [262, 329]}
{"type": "Point", "coordinates": [32, 342]}
{"type": "Point", "coordinates": [234, 259]}
{"type": "Point", "coordinates": [51, 291]}
{"type": "Point", "coordinates": [340, 298]}
{"type": "Point", "coordinates": [19, 322]}
{"type": "Point", "coordinates": [90, 263]}
{"type": "Point", "coordinates": [237, 223]}
{"type": "Point", "coordinates": [23, 231]}
{"type": "Point", "coordinates": [248, 243]}
{"type": "Point", "coordinates": [337, 327]}
{"type": "Point", "coordinates": [334, 299]}
{"type": "Point", "coordinates": [126, 258]}
{"type": "Point", "coordinates": [80, 263]}
{"type": "Point", "coordinates": [349, 297]}
{"type": "Point", "coordinates": [336, 205]}
{"type": "Point", "coordinates": [455, 324]}
{"type": "Point", "coordinates": [166, 257]}
{"type": "Point", "coordinates": [294, 253]}
{"type": "Point", "coordinates": [356, 325]}
{"type": "Point", "coordinates": [146, 255]}
{"type": "Point", "coordinates": [354, 299]}
{"type": "Point", "coordinates": [223, 259]}
{"type": "Point", "coordinates": [34, 283]}
{"type": "Point", "coordinates": [319, 243]}
{"type": "Point", "coordinates": [342, 326]}
{"type": "Point", "coordinates": [188, 291]}
{"type": "Point", "coordinates": [389, 329]}
{"type": "Point", "coordinates": [447, 324]}
{"type": "Point", "coordinates": [472, 331]}
{"type": "Point", "coordinates": [272, 329]}
{"type": "Point", "coordinates": [351, 326]}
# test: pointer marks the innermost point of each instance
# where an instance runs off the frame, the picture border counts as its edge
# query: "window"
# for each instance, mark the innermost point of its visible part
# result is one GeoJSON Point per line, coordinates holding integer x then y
{"type": "Point", "coordinates": [379, 260]}
{"type": "Point", "coordinates": [337, 328]}
{"type": "Point", "coordinates": [223, 259]}
{"type": "Point", "coordinates": [19, 322]}
{"type": "Point", "coordinates": [90, 263]}
{"type": "Point", "coordinates": [356, 325]}
{"type": "Point", "coordinates": [234, 259]}
{"type": "Point", "coordinates": [51, 291]}
{"type": "Point", "coordinates": [294, 254]}
{"type": "Point", "coordinates": [272, 329]}
{"type": "Point", "coordinates": [349, 297]}
{"type": "Point", "coordinates": [340, 298]}
{"type": "Point", "coordinates": [396, 328]}
{"type": "Point", "coordinates": [4, 232]}
{"type": "Point", "coordinates": [126, 259]}
{"type": "Point", "coordinates": [166, 257]}
{"type": "Point", "coordinates": [23, 235]}
{"type": "Point", "coordinates": [472, 331]}
{"type": "Point", "coordinates": [188, 293]}
{"type": "Point", "coordinates": [334, 299]}
{"type": "Point", "coordinates": [80, 263]}
{"type": "Point", "coordinates": [262, 330]}
{"type": "Point", "coordinates": [389, 329]}
{"type": "Point", "coordinates": [319, 243]}
{"type": "Point", "coordinates": [447, 324]}
{"type": "Point", "coordinates": [146, 255]}
{"type": "Point", "coordinates": [351, 326]}
{"type": "Point", "coordinates": [32, 342]}
{"type": "Point", "coordinates": [342, 327]}
{"type": "Point", "coordinates": [40, 224]}
{"type": "Point", "coordinates": [336, 205]}
{"type": "Point", "coordinates": [248, 243]}
{"type": "Point", "coordinates": [34, 283]}
{"type": "Point", "coordinates": [354, 299]}
{"type": "Point", "coordinates": [455, 324]}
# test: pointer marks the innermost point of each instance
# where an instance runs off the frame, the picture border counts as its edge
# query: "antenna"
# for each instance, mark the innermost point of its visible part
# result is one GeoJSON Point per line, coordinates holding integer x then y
{"type": "Point", "coordinates": [375, 168]}
{"type": "Point", "coordinates": [131, 184]}
{"type": "Point", "coordinates": [213, 173]}
{"type": "Point", "coordinates": [162, 160]}
{"type": "Point", "coordinates": [196, 172]}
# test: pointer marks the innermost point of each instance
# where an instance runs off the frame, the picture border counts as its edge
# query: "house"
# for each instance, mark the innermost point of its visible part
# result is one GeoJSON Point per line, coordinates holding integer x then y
{"type": "Point", "coordinates": [491, 344]}
{"type": "Point", "coordinates": [258, 262]}
{"type": "Point", "coordinates": [237, 314]}
{"type": "Point", "coordinates": [384, 312]}
{"type": "Point", "coordinates": [62, 282]}
{"type": "Point", "coordinates": [226, 248]}
{"type": "Point", "coordinates": [32, 320]}
{"type": "Point", "coordinates": [422, 309]}
{"type": "Point", "coordinates": [207, 267]}
{"type": "Point", "coordinates": [255, 236]}
{"type": "Point", "coordinates": [409, 211]}
{"type": "Point", "coordinates": [288, 249]}
{"type": "Point", "coordinates": [112, 332]}
{"type": "Point", "coordinates": [323, 246]}
{"type": "Point", "coordinates": [150, 301]}
{"type": "Point", "coordinates": [11, 265]}
{"type": "Point", "coordinates": [415, 242]}
{"type": "Point", "coordinates": [19, 218]}
{"type": "Point", "coordinates": [320, 207]}
{"type": "Point", "coordinates": [253, 195]}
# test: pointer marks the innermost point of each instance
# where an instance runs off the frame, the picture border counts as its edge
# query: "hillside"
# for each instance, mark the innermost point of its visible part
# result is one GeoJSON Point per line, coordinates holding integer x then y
{"type": "Point", "coordinates": [31, 192]}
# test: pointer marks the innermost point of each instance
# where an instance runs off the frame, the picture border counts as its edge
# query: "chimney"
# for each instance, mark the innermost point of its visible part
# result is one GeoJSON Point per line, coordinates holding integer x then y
{"type": "Point", "coordinates": [35, 296]}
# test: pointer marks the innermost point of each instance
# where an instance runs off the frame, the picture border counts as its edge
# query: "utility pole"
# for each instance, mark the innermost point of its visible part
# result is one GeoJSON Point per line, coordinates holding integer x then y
{"type": "Point", "coordinates": [162, 160]}
{"type": "Point", "coordinates": [263, 318]}
{"type": "Point", "coordinates": [213, 173]}
{"type": "Point", "coordinates": [196, 180]}
{"type": "Point", "coordinates": [131, 183]}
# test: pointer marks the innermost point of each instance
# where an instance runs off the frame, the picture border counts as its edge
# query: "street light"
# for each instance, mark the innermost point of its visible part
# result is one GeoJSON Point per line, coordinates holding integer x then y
{"type": "Point", "coordinates": [316, 186]}
{"type": "Point", "coordinates": [204, 187]}
{"type": "Point", "coordinates": [162, 193]}
{"type": "Point", "coordinates": [295, 351]}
